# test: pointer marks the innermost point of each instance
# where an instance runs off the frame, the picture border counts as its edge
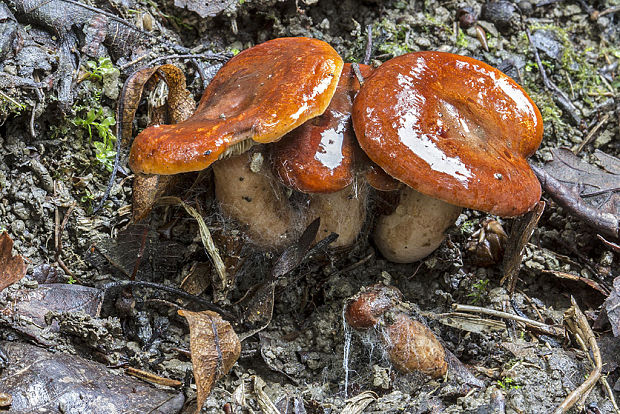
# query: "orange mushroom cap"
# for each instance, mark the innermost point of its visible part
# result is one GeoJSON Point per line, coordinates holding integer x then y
{"type": "Point", "coordinates": [453, 128]}
{"type": "Point", "coordinates": [380, 180]}
{"type": "Point", "coordinates": [318, 157]}
{"type": "Point", "coordinates": [260, 94]}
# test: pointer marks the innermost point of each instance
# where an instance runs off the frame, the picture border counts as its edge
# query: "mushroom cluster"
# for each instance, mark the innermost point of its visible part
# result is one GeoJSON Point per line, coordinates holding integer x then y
{"type": "Point", "coordinates": [446, 131]}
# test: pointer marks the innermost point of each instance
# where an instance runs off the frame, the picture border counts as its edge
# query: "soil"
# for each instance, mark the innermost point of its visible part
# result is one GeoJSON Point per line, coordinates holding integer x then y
{"type": "Point", "coordinates": [55, 164]}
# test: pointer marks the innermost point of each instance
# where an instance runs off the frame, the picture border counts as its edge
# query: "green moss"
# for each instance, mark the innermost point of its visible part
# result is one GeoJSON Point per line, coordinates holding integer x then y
{"type": "Point", "coordinates": [551, 113]}
{"type": "Point", "coordinates": [479, 291]}
{"type": "Point", "coordinates": [92, 117]}
{"type": "Point", "coordinates": [507, 383]}
{"type": "Point", "coordinates": [468, 227]}
{"type": "Point", "coordinates": [576, 72]}
{"type": "Point", "coordinates": [9, 106]}
{"type": "Point", "coordinates": [396, 39]}
{"type": "Point", "coordinates": [432, 20]}
{"type": "Point", "coordinates": [393, 38]}
{"type": "Point", "coordinates": [461, 39]}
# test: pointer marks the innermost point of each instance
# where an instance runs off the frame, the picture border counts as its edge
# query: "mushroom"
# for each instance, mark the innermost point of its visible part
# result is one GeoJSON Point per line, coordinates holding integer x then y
{"type": "Point", "coordinates": [457, 132]}
{"type": "Point", "coordinates": [257, 97]}
{"type": "Point", "coordinates": [410, 344]}
{"type": "Point", "coordinates": [319, 159]}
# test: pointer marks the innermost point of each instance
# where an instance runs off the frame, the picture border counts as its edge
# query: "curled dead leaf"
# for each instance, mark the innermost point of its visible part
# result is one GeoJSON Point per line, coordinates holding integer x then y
{"type": "Point", "coordinates": [179, 106]}
{"type": "Point", "coordinates": [215, 348]}
{"type": "Point", "coordinates": [12, 268]}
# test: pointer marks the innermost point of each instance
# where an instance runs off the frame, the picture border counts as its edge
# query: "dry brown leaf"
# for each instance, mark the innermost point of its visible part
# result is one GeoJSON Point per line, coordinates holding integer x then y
{"type": "Point", "coordinates": [197, 281]}
{"type": "Point", "coordinates": [55, 297]}
{"type": "Point", "coordinates": [586, 191]}
{"type": "Point", "coordinates": [147, 189]}
{"type": "Point", "coordinates": [180, 103]}
{"type": "Point", "coordinates": [179, 106]}
{"type": "Point", "coordinates": [215, 348]}
{"type": "Point", "coordinates": [12, 268]}
{"type": "Point", "coordinates": [138, 252]}
{"type": "Point", "coordinates": [583, 177]}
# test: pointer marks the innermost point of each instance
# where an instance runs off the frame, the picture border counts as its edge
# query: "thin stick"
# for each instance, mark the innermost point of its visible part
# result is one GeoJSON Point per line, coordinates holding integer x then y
{"type": "Point", "coordinates": [178, 292]}
{"type": "Point", "coordinates": [611, 245]}
{"type": "Point", "coordinates": [33, 133]}
{"type": "Point", "coordinates": [13, 101]}
{"type": "Point", "coordinates": [222, 57]}
{"type": "Point", "coordinates": [152, 378]}
{"type": "Point", "coordinates": [579, 327]}
{"type": "Point", "coordinates": [368, 53]}
{"type": "Point", "coordinates": [558, 94]}
{"type": "Point", "coordinates": [609, 392]}
{"type": "Point", "coordinates": [207, 241]}
{"type": "Point", "coordinates": [590, 135]}
{"type": "Point", "coordinates": [613, 9]}
{"type": "Point", "coordinates": [358, 73]}
{"type": "Point", "coordinates": [548, 329]}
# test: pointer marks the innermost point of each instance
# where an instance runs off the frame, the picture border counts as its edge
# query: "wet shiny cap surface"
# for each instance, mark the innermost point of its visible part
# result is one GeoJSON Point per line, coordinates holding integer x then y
{"type": "Point", "coordinates": [318, 157]}
{"type": "Point", "coordinates": [261, 94]}
{"type": "Point", "coordinates": [453, 128]}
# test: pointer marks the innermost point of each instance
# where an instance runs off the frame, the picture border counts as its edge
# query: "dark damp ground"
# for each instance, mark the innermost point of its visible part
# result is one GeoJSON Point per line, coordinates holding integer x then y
{"type": "Point", "coordinates": [55, 159]}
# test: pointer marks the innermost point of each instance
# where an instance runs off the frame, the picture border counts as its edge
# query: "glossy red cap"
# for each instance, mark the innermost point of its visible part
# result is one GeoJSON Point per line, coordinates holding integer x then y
{"type": "Point", "coordinates": [453, 128]}
{"type": "Point", "coordinates": [380, 180]}
{"type": "Point", "coordinates": [318, 157]}
{"type": "Point", "coordinates": [261, 94]}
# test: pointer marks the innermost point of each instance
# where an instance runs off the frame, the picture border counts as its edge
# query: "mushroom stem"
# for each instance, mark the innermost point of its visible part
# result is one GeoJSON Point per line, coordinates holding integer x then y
{"type": "Point", "coordinates": [415, 228]}
{"type": "Point", "coordinates": [256, 200]}
{"type": "Point", "coordinates": [250, 195]}
{"type": "Point", "coordinates": [342, 212]}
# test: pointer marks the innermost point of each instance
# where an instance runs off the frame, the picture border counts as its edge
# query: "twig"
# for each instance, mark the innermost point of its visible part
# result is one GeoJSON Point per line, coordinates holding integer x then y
{"type": "Point", "coordinates": [611, 245]}
{"type": "Point", "coordinates": [601, 192]}
{"type": "Point", "coordinates": [358, 73]}
{"type": "Point", "coordinates": [590, 135]}
{"type": "Point", "coordinates": [33, 133]}
{"type": "Point", "coordinates": [368, 53]}
{"type": "Point", "coordinates": [558, 94]}
{"type": "Point", "coordinates": [178, 292]}
{"type": "Point", "coordinates": [222, 57]}
{"type": "Point", "coordinates": [201, 73]}
{"type": "Point", "coordinates": [547, 2]}
{"type": "Point", "coordinates": [569, 276]}
{"type": "Point", "coordinates": [13, 101]}
{"type": "Point", "coordinates": [543, 327]}
{"type": "Point", "coordinates": [152, 378]}
{"type": "Point", "coordinates": [606, 223]}
{"type": "Point", "coordinates": [613, 9]}
{"type": "Point", "coordinates": [609, 392]}
{"type": "Point", "coordinates": [208, 243]}
{"type": "Point", "coordinates": [133, 62]}
{"type": "Point", "coordinates": [579, 327]}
